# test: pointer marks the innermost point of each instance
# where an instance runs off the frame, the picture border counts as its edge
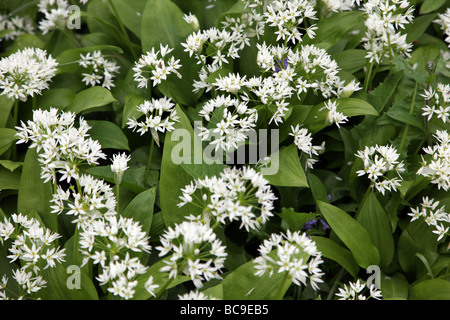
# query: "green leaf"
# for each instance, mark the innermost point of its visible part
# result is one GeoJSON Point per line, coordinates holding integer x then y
{"type": "Point", "coordinates": [350, 107]}
{"type": "Point", "coordinates": [416, 29]}
{"type": "Point", "coordinates": [383, 93]}
{"type": "Point", "coordinates": [434, 289]}
{"type": "Point", "coordinates": [335, 252]}
{"type": "Point", "coordinates": [351, 60]}
{"type": "Point", "coordinates": [6, 105]}
{"type": "Point", "coordinates": [130, 13]}
{"type": "Point", "coordinates": [352, 234]}
{"type": "Point", "coordinates": [10, 165]}
{"type": "Point", "coordinates": [57, 289]}
{"type": "Point", "coordinates": [132, 100]}
{"type": "Point", "coordinates": [68, 59]}
{"type": "Point", "coordinates": [34, 194]}
{"type": "Point", "coordinates": [132, 179]}
{"type": "Point", "coordinates": [108, 134]}
{"type": "Point", "coordinates": [7, 138]}
{"type": "Point", "coordinates": [375, 220]}
{"type": "Point", "coordinates": [89, 99]}
{"type": "Point", "coordinates": [141, 209]}
{"type": "Point", "coordinates": [203, 170]}
{"type": "Point", "coordinates": [173, 176]}
{"type": "Point", "coordinates": [431, 5]}
{"type": "Point", "coordinates": [9, 180]}
{"type": "Point", "coordinates": [295, 220]}
{"type": "Point", "coordinates": [56, 98]}
{"type": "Point", "coordinates": [395, 286]}
{"type": "Point", "coordinates": [317, 188]}
{"type": "Point", "coordinates": [163, 24]}
{"type": "Point", "coordinates": [290, 172]}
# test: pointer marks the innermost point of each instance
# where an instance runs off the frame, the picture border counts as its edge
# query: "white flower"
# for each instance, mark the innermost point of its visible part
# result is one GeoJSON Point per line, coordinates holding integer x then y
{"type": "Point", "coordinates": [296, 254]}
{"type": "Point", "coordinates": [196, 252]}
{"type": "Point", "coordinates": [436, 161]}
{"type": "Point", "coordinates": [355, 291]}
{"type": "Point", "coordinates": [195, 295]}
{"type": "Point", "coordinates": [98, 69]}
{"type": "Point", "coordinates": [119, 165]}
{"type": "Point", "coordinates": [378, 162]}
{"type": "Point", "coordinates": [444, 22]}
{"type": "Point", "coordinates": [432, 215]}
{"type": "Point", "coordinates": [333, 115]}
{"type": "Point", "coordinates": [15, 26]}
{"type": "Point", "coordinates": [237, 194]}
{"type": "Point", "coordinates": [157, 64]}
{"type": "Point", "coordinates": [26, 73]}
{"type": "Point", "coordinates": [437, 102]}
{"type": "Point", "coordinates": [303, 141]}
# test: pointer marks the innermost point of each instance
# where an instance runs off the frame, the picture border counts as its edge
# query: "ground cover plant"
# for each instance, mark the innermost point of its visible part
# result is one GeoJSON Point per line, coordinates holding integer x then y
{"type": "Point", "coordinates": [228, 149]}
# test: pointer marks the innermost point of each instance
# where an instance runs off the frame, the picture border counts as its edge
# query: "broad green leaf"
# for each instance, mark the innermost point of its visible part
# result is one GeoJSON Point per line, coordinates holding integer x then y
{"type": "Point", "coordinates": [132, 101]}
{"type": "Point", "coordinates": [178, 148]}
{"type": "Point", "coordinates": [141, 209]}
{"type": "Point", "coordinates": [88, 99]}
{"type": "Point", "coordinates": [68, 59]}
{"type": "Point", "coordinates": [132, 179]}
{"type": "Point", "coordinates": [431, 5]}
{"type": "Point", "coordinates": [434, 289]}
{"type": "Point", "coordinates": [351, 60]}
{"type": "Point", "coordinates": [57, 289]}
{"type": "Point", "coordinates": [374, 219]}
{"type": "Point", "coordinates": [9, 180]}
{"type": "Point", "coordinates": [352, 234]}
{"type": "Point", "coordinates": [10, 165]}
{"type": "Point", "coordinates": [6, 106]}
{"type": "Point", "coordinates": [7, 138]}
{"type": "Point", "coordinates": [383, 93]}
{"type": "Point", "coordinates": [159, 278]}
{"type": "Point", "coordinates": [290, 172]}
{"type": "Point", "coordinates": [335, 252]}
{"type": "Point", "coordinates": [243, 284]}
{"type": "Point", "coordinates": [202, 170]}
{"type": "Point", "coordinates": [130, 13]}
{"type": "Point", "coordinates": [108, 134]}
{"type": "Point", "coordinates": [295, 220]}
{"type": "Point", "coordinates": [418, 27]}
{"type": "Point", "coordinates": [163, 24]}
{"type": "Point", "coordinates": [55, 98]}
{"type": "Point", "coordinates": [395, 286]}
{"type": "Point", "coordinates": [317, 188]}
{"type": "Point", "coordinates": [34, 194]}
{"type": "Point", "coordinates": [350, 107]}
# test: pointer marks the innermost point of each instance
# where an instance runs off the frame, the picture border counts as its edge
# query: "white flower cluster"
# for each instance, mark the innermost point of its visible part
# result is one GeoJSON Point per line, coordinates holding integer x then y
{"type": "Point", "coordinates": [339, 5]}
{"type": "Point", "coordinates": [33, 245]}
{"type": "Point", "coordinates": [384, 18]}
{"type": "Point", "coordinates": [237, 194]}
{"type": "Point", "coordinates": [99, 69]}
{"type": "Point", "coordinates": [55, 13]}
{"type": "Point", "coordinates": [214, 47]}
{"type": "Point", "coordinates": [436, 166]}
{"type": "Point", "coordinates": [93, 200]}
{"type": "Point", "coordinates": [12, 27]}
{"type": "Point", "coordinates": [61, 146]}
{"type": "Point", "coordinates": [293, 253]}
{"type": "Point", "coordinates": [303, 68]}
{"type": "Point", "coordinates": [379, 162]}
{"type": "Point", "coordinates": [355, 292]}
{"type": "Point", "coordinates": [333, 115]}
{"type": "Point", "coordinates": [195, 295]}
{"type": "Point", "coordinates": [287, 17]}
{"type": "Point", "coordinates": [160, 115]}
{"type": "Point", "coordinates": [444, 23]}
{"type": "Point", "coordinates": [155, 66]}
{"type": "Point", "coordinates": [26, 73]}
{"type": "Point", "coordinates": [237, 121]}
{"type": "Point", "coordinates": [303, 141]}
{"type": "Point", "coordinates": [432, 216]}
{"type": "Point", "coordinates": [438, 102]}
{"type": "Point", "coordinates": [110, 242]}
{"type": "Point", "coordinates": [195, 252]}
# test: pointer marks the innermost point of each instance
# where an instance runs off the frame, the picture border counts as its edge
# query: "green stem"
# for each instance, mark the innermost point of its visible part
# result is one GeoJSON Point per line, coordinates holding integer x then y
{"type": "Point", "coordinates": [122, 28]}
{"type": "Point", "coordinates": [411, 111]}
{"type": "Point", "coordinates": [163, 289]}
{"type": "Point", "coordinates": [339, 276]}
{"type": "Point", "coordinates": [75, 246]}
{"type": "Point", "coordinates": [147, 170]}
{"type": "Point", "coordinates": [117, 197]}
{"type": "Point", "coordinates": [368, 77]}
